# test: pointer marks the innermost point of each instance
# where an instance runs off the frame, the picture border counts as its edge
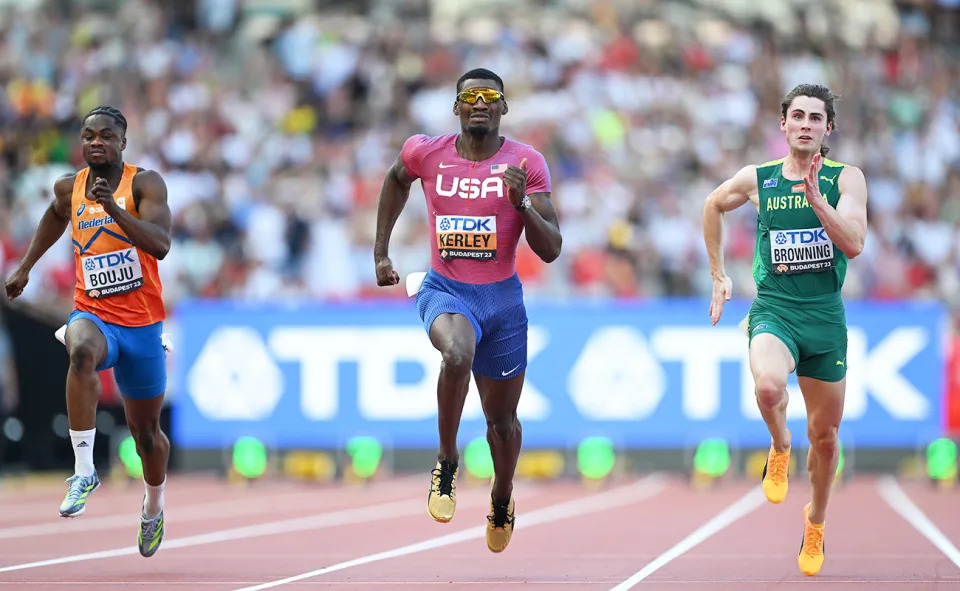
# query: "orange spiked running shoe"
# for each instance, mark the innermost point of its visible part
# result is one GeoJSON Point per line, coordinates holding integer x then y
{"type": "Point", "coordinates": [775, 473]}
{"type": "Point", "coordinates": [810, 558]}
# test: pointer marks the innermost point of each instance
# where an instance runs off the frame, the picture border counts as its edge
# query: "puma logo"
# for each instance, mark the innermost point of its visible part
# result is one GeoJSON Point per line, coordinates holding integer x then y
{"type": "Point", "coordinates": [828, 179]}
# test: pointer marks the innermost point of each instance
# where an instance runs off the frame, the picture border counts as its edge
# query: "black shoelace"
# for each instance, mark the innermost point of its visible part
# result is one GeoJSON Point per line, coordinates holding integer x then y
{"type": "Point", "coordinates": [501, 514]}
{"type": "Point", "coordinates": [445, 475]}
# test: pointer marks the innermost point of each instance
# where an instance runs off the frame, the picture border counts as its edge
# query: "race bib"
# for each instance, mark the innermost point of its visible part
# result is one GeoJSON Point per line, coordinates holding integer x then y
{"type": "Point", "coordinates": [467, 237]}
{"type": "Point", "coordinates": [112, 273]}
{"type": "Point", "coordinates": [800, 251]}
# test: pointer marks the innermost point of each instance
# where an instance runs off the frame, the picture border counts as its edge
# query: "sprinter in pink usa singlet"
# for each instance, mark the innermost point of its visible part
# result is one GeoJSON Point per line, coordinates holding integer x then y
{"type": "Point", "coordinates": [475, 228]}
{"type": "Point", "coordinates": [483, 191]}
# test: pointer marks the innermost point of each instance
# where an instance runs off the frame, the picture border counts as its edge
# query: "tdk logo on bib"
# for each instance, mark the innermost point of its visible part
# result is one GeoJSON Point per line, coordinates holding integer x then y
{"type": "Point", "coordinates": [112, 273]}
{"type": "Point", "coordinates": [811, 236]}
{"type": "Point", "coordinates": [109, 260]}
{"type": "Point", "coordinates": [451, 223]}
{"type": "Point", "coordinates": [467, 237]}
{"type": "Point", "coordinates": [801, 251]}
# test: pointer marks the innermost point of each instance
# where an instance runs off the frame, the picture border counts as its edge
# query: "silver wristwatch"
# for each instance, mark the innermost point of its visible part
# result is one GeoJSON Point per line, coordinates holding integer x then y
{"type": "Point", "coordinates": [525, 204]}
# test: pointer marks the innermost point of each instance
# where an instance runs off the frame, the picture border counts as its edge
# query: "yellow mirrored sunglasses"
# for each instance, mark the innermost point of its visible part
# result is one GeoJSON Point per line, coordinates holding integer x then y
{"type": "Point", "coordinates": [488, 95]}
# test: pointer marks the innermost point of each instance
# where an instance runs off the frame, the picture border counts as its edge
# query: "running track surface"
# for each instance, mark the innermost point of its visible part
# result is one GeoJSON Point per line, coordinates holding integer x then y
{"type": "Point", "coordinates": [649, 532]}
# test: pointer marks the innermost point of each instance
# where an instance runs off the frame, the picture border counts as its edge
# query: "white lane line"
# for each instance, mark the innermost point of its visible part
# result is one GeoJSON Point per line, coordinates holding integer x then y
{"type": "Point", "coordinates": [594, 503]}
{"type": "Point", "coordinates": [258, 504]}
{"type": "Point", "coordinates": [898, 500]}
{"type": "Point", "coordinates": [738, 509]}
{"type": "Point", "coordinates": [309, 522]}
{"type": "Point", "coordinates": [739, 582]}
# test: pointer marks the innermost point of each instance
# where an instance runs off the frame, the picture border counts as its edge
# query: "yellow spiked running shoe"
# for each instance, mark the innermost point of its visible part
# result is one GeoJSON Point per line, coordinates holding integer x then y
{"type": "Point", "coordinates": [500, 523]}
{"type": "Point", "coordinates": [442, 499]}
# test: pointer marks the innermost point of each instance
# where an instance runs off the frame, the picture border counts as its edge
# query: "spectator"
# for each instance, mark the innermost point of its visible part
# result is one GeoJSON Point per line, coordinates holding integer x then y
{"type": "Point", "coordinates": [272, 132]}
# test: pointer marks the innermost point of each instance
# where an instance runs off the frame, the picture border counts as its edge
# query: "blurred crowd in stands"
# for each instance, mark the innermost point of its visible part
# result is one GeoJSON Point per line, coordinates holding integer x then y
{"type": "Point", "coordinates": [273, 123]}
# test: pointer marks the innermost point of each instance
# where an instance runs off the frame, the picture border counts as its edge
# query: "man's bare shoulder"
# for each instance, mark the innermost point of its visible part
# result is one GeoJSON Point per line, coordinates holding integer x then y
{"type": "Point", "coordinates": [852, 173]}
{"type": "Point", "coordinates": [745, 179]}
{"type": "Point", "coordinates": [64, 184]}
{"type": "Point", "coordinates": [148, 178]}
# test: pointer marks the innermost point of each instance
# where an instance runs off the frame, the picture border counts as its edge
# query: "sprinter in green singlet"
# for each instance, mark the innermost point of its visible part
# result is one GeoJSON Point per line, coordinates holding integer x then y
{"type": "Point", "coordinates": [812, 220]}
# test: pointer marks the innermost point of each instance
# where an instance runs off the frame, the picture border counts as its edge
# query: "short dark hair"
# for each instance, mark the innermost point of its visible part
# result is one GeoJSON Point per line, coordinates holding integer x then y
{"type": "Point", "coordinates": [110, 112]}
{"type": "Point", "coordinates": [816, 91]}
{"type": "Point", "coordinates": [482, 74]}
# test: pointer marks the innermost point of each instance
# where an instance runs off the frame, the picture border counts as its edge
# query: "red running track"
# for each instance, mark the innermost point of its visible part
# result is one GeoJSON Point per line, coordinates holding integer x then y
{"type": "Point", "coordinates": [653, 532]}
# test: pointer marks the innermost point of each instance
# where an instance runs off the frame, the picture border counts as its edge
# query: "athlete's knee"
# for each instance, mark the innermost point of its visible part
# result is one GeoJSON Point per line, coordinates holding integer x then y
{"type": "Point", "coordinates": [771, 389]}
{"type": "Point", "coordinates": [147, 434]}
{"type": "Point", "coordinates": [504, 427]}
{"type": "Point", "coordinates": [83, 357]}
{"type": "Point", "coordinates": [458, 358]}
{"type": "Point", "coordinates": [824, 439]}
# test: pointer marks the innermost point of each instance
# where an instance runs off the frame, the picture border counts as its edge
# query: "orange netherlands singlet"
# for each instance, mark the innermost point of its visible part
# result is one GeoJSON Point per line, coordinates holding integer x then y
{"type": "Point", "coordinates": [116, 281]}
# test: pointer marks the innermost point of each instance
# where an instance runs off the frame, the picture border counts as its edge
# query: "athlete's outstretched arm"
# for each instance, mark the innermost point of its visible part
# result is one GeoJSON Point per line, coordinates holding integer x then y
{"type": "Point", "coordinates": [847, 224]}
{"type": "Point", "coordinates": [54, 221]}
{"type": "Point", "coordinates": [730, 195]}
{"type": "Point", "coordinates": [151, 232]}
{"type": "Point", "coordinates": [393, 198]}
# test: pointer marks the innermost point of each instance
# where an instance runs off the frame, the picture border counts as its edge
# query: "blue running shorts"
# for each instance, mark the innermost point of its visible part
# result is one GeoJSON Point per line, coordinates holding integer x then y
{"type": "Point", "coordinates": [136, 355]}
{"type": "Point", "coordinates": [497, 313]}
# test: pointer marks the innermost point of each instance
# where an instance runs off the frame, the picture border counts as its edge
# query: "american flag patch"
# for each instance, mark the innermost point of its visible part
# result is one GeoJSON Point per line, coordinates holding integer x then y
{"type": "Point", "coordinates": [498, 168]}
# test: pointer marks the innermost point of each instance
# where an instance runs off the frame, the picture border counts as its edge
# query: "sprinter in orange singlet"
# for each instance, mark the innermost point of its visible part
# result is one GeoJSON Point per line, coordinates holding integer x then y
{"type": "Point", "coordinates": [120, 225]}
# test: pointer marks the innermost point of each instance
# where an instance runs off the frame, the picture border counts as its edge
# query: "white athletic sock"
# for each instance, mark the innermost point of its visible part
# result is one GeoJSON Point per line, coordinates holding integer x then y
{"type": "Point", "coordinates": [83, 451]}
{"type": "Point", "coordinates": [153, 501]}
